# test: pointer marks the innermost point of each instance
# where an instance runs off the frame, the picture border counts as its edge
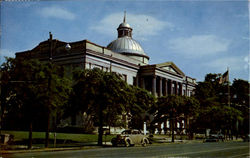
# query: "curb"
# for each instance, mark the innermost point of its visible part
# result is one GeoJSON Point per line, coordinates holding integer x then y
{"type": "Point", "coordinates": [48, 149]}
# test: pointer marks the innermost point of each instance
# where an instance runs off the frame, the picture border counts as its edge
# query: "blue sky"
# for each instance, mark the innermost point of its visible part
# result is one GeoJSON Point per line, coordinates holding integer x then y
{"type": "Point", "coordinates": [199, 36]}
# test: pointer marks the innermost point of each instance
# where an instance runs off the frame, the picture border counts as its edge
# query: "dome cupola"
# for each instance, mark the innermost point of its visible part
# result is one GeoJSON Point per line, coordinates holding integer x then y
{"type": "Point", "coordinates": [124, 29]}
{"type": "Point", "coordinates": [126, 45]}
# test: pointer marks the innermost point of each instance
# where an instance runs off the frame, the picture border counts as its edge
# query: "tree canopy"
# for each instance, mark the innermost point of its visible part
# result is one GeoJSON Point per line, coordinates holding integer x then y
{"type": "Point", "coordinates": [216, 110]}
{"type": "Point", "coordinates": [29, 93]}
{"type": "Point", "coordinates": [101, 95]}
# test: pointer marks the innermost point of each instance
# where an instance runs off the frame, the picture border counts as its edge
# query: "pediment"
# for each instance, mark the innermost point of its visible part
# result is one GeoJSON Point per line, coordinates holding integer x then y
{"type": "Point", "coordinates": [170, 66]}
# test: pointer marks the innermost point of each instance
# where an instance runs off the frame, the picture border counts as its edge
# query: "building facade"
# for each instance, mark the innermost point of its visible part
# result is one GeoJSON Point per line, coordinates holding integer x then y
{"type": "Point", "coordinates": [124, 55]}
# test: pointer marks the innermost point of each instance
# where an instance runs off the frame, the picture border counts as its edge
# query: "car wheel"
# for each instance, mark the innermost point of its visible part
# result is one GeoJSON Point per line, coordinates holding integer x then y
{"type": "Point", "coordinates": [144, 142]}
{"type": "Point", "coordinates": [127, 143]}
{"type": "Point", "coordinates": [114, 142]}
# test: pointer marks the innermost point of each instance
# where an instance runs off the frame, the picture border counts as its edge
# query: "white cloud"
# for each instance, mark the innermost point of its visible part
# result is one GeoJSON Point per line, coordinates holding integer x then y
{"type": "Point", "coordinates": [246, 38]}
{"type": "Point", "coordinates": [241, 15]}
{"type": "Point", "coordinates": [235, 64]}
{"type": "Point", "coordinates": [199, 45]}
{"type": "Point", "coordinates": [56, 12]}
{"type": "Point", "coordinates": [143, 25]}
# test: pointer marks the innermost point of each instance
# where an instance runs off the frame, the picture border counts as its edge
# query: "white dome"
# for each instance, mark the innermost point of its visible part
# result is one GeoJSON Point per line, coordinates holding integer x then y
{"type": "Point", "coordinates": [124, 24]}
{"type": "Point", "coordinates": [126, 45]}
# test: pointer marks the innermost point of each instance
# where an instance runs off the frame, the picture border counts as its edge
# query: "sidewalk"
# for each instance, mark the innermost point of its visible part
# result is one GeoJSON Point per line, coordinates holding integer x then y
{"type": "Point", "coordinates": [93, 145]}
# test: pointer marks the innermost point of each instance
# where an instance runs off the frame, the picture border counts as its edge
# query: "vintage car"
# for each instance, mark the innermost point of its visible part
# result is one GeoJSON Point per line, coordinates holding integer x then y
{"type": "Point", "coordinates": [215, 138]}
{"type": "Point", "coordinates": [246, 138]}
{"type": "Point", "coordinates": [130, 137]}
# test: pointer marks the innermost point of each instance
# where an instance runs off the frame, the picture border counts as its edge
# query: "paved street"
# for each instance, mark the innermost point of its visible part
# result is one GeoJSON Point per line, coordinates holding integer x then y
{"type": "Point", "coordinates": [226, 149]}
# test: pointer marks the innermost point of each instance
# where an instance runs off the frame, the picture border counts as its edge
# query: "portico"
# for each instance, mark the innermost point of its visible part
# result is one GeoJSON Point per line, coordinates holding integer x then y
{"type": "Point", "coordinates": [163, 79]}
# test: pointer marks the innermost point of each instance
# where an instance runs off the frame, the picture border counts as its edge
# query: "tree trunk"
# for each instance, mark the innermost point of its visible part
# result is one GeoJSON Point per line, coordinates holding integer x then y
{"type": "Point", "coordinates": [100, 134]}
{"type": "Point", "coordinates": [173, 124]}
{"type": "Point", "coordinates": [30, 136]}
{"type": "Point", "coordinates": [172, 129]}
{"type": "Point", "coordinates": [1, 119]}
{"type": "Point", "coordinates": [47, 131]}
{"type": "Point", "coordinates": [2, 109]}
{"type": "Point", "coordinates": [100, 129]}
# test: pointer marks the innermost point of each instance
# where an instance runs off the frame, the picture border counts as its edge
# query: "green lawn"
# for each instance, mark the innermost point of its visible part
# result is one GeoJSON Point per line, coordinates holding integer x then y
{"type": "Point", "coordinates": [65, 137]}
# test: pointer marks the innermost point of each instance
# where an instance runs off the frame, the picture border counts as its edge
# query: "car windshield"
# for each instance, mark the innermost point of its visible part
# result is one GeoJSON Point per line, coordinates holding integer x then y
{"type": "Point", "coordinates": [135, 132]}
{"type": "Point", "coordinates": [131, 132]}
{"type": "Point", "coordinates": [126, 132]}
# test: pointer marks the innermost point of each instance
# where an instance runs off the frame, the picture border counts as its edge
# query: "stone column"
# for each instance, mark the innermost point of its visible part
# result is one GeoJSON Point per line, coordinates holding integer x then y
{"type": "Point", "coordinates": [186, 89]}
{"type": "Point", "coordinates": [154, 85]}
{"type": "Point", "coordinates": [137, 81]}
{"type": "Point", "coordinates": [180, 89]}
{"type": "Point", "coordinates": [160, 87]}
{"type": "Point", "coordinates": [142, 83]}
{"type": "Point", "coordinates": [165, 87]}
{"type": "Point", "coordinates": [176, 87]}
{"type": "Point", "coordinates": [170, 87]}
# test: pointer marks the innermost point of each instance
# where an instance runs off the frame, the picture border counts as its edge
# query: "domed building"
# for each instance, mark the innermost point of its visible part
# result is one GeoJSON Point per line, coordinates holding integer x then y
{"type": "Point", "coordinates": [126, 45]}
{"type": "Point", "coordinates": [125, 56]}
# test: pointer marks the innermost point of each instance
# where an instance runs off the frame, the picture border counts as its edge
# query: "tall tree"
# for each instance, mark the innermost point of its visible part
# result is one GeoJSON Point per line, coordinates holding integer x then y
{"type": "Point", "coordinates": [240, 100]}
{"type": "Point", "coordinates": [169, 107]}
{"type": "Point", "coordinates": [7, 92]}
{"type": "Point", "coordinates": [141, 101]}
{"type": "Point", "coordinates": [190, 109]}
{"type": "Point", "coordinates": [30, 91]}
{"type": "Point", "coordinates": [215, 113]}
{"type": "Point", "coordinates": [101, 95]}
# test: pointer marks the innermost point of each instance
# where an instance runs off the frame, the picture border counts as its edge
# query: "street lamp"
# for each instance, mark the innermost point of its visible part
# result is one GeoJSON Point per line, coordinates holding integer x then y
{"type": "Point", "coordinates": [67, 47]}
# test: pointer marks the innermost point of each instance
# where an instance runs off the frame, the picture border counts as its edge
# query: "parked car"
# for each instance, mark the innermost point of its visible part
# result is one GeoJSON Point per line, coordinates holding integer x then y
{"type": "Point", "coordinates": [215, 138]}
{"type": "Point", "coordinates": [130, 137]}
{"type": "Point", "coordinates": [246, 138]}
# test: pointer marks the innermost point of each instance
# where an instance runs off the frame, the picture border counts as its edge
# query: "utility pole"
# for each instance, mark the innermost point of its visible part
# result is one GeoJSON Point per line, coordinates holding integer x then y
{"type": "Point", "coordinates": [49, 90]}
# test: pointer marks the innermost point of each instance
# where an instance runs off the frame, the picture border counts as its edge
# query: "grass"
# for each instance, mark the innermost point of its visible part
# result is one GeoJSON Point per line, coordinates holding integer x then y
{"type": "Point", "coordinates": [62, 139]}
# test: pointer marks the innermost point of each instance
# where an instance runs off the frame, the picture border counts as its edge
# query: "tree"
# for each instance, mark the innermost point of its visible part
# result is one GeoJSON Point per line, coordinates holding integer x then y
{"type": "Point", "coordinates": [209, 91]}
{"type": "Point", "coordinates": [59, 88]}
{"type": "Point", "coordinates": [190, 109]}
{"type": "Point", "coordinates": [169, 107]}
{"type": "Point", "coordinates": [215, 113]}
{"type": "Point", "coordinates": [240, 101]}
{"type": "Point", "coordinates": [31, 97]}
{"type": "Point", "coordinates": [141, 101]}
{"type": "Point", "coordinates": [101, 95]}
{"type": "Point", "coordinates": [6, 87]}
